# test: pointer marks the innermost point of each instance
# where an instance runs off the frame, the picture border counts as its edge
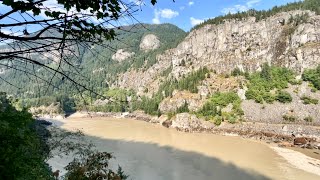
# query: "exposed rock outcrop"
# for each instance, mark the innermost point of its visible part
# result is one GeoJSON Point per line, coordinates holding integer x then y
{"type": "Point", "coordinates": [179, 99]}
{"type": "Point", "coordinates": [186, 121]}
{"type": "Point", "coordinates": [245, 44]}
{"type": "Point", "coordinates": [122, 55]}
{"type": "Point", "coordinates": [149, 42]}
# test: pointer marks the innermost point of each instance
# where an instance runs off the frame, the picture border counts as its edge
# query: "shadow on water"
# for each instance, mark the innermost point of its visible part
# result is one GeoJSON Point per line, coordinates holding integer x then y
{"type": "Point", "coordinates": [151, 161]}
{"type": "Point", "coordinates": [145, 161]}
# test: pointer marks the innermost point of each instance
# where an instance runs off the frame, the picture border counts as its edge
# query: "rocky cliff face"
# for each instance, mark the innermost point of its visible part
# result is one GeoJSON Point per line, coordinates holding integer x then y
{"type": "Point", "coordinates": [245, 44]}
{"type": "Point", "coordinates": [178, 99]}
{"type": "Point", "coordinates": [122, 55]}
{"type": "Point", "coordinates": [248, 44]}
{"type": "Point", "coordinates": [149, 42]}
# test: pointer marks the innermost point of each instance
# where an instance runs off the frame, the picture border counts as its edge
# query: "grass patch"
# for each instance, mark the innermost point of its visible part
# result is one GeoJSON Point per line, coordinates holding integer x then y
{"type": "Point", "coordinates": [289, 118]}
{"type": "Point", "coordinates": [308, 119]}
{"type": "Point", "coordinates": [309, 100]}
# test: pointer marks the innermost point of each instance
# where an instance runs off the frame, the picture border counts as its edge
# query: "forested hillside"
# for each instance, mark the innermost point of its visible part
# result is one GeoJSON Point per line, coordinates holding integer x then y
{"type": "Point", "coordinates": [96, 65]}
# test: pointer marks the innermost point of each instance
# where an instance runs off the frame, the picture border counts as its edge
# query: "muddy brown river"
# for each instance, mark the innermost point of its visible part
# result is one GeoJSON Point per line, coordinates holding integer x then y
{"type": "Point", "coordinates": [147, 151]}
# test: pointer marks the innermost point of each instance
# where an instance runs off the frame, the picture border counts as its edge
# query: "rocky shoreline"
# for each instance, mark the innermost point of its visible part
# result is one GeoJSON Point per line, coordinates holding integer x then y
{"type": "Point", "coordinates": [284, 135]}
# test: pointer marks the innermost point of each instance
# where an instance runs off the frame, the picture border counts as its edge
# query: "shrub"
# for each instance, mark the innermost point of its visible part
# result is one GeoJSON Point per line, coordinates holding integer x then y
{"type": "Point", "coordinates": [209, 109]}
{"type": "Point", "coordinates": [190, 83]}
{"type": "Point", "coordinates": [313, 76]}
{"type": "Point", "coordinates": [236, 72]}
{"type": "Point", "coordinates": [270, 78]}
{"type": "Point", "coordinates": [171, 115]}
{"type": "Point", "coordinates": [308, 119]}
{"type": "Point", "coordinates": [22, 150]}
{"type": "Point", "coordinates": [212, 108]}
{"type": "Point", "coordinates": [313, 89]}
{"type": "Point", "coordinates": [183, 108]}
{"type": "Point", "coordinates": [218, 120]}
{"type": "Point", "coordinates": [284, 97]}
{"type": "Point", "coordinates": [266, 72]}
{"type": "Point", "coordinates": [295, 82]}
{"type": "Point", "coordinates": [309, 100]}
{"type": "Point", "coordinates": [232, 119]}
{"type": "Point", "coordinates": [289, 118]}
{"type": "Point", "coordinates": [223, 99]}
{"type": "Point", "coordinates": [268, 98]}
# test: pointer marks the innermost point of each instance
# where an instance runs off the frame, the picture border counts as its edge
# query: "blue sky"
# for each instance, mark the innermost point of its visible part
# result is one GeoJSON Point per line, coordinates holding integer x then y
{"type": "Point", "coordinates": [186, 13]}
{"type": "Point", "coordinates": [183, 13]}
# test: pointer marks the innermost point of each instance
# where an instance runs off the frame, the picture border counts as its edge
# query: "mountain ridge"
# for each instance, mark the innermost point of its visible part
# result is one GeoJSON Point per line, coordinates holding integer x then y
{"type": "Point", "coordinates": [220, 72]}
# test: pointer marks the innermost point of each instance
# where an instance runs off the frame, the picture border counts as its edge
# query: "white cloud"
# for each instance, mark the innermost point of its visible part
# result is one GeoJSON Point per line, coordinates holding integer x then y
{"type": "Point", "coordinates": [137, 2]}
{"type": "Point", "coordinates": [182, 8]}
{"type": "Point", "coordinates": [252, 3]}
{"type": "Point", "coordinates": [195, 21]}
{"type": "Point", "coordinates": [156, 19]}
{"type": "Point", "coordinates": [168, 13]}
{"type": "Point", "coordinates": [163, 13]}
{"type": "Point", "coordinates": [191, 3]}
{"type": "Point", "coordinates": [239, 8]}
{"type": "Point", "coordinates": [234, 9]}
{"type": "Point", "coordinates": [53, 5]}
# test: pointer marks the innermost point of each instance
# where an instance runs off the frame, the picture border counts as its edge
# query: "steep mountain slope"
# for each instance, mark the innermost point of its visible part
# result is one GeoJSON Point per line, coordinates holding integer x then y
{"type": "Point", "coordinates": [288, 39]}
{"type": "Point", "coordinates": [223, 70]}
{"type": "Point", "coordinates": [99, 64]}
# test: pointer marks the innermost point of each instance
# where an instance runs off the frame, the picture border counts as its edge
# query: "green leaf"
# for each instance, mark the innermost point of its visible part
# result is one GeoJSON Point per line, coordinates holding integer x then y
{"type": "Point", "coordinates": [36, 11]}
{"type": "Point", "coordinates": [8, 2]}
{"type": "Point", "coordinates": [153, 2]}
{"type": "Point", "coordinates": [47, 13]}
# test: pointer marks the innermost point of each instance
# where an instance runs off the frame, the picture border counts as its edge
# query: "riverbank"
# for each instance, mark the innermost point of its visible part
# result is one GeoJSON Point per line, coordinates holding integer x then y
{"type": "Point", "coordinates": [284, 135]}
{"type": "Point", "coordinates": [133, 137]}
{"type": "Point", "coordinates": [299, 160]}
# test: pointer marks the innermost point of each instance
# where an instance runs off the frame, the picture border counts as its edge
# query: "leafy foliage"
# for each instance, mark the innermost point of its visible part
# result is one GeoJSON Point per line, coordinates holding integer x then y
{"type": "Point", "coordinates": [148, 105]}
{"type": "Point", "coordinates": [284, 97]}
{"type": "Point", "coordinates": [289, 118]}
{"type": "Point", "coordinates": [211, 110]}
{"type": "Point", "coordinates": [67, 103]}
{"type": "Point", "coordinates": [117, 100]}
{"type": "Point", "coordinates": [237, 72]}
{"type": "Point", "coordinates": [298, 19]}
{"type": "Point", "coordinates": [270, 78]}
{"type": "Point", "coordinates": [94, 166]}
{"type": "Point", "coordinates": [190, 83]}
{"type": "Point", "coordinates": [312, 75]}
{"type": "Point", "coordinates": [53, 36]}
{"type": "Point", "coordinates": [25, 147]}
{"type": "Point", "coordinates": [97, 68]}
{"type": "Point", "coordinates": [183, 108]}
{"type": "Point", "coordinates": [21, 150]}
{"type": "Point", "coordinates": [309, 100]}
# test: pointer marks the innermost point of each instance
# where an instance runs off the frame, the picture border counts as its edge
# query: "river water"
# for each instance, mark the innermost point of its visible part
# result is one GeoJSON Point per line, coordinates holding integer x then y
{"type": "Point", "coordinates": [147, 151]}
